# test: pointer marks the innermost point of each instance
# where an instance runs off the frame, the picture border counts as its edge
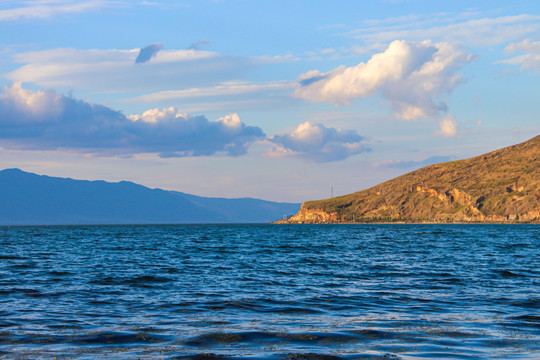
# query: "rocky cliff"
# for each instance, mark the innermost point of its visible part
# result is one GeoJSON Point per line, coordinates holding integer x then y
{"type": "Point", "coordinates": [501, 186]}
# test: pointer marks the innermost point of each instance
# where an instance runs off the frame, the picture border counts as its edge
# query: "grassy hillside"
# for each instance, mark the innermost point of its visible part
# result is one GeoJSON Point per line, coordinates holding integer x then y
{"type": "Point", "coordinates": [500, 186]}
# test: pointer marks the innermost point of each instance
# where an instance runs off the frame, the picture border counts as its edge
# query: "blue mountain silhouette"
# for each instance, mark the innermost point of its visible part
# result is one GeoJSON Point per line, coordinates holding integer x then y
{"type": "Point", "coordinates": [30, 199]}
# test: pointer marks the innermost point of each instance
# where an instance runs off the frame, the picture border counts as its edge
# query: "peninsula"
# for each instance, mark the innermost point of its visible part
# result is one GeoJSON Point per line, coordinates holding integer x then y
{"type": "Point", "coordinates": [502, 186]}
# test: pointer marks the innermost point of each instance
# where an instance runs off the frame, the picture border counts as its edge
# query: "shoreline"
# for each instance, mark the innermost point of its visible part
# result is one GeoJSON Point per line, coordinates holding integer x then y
{"type": "Point", "coordinates": [281, 222]}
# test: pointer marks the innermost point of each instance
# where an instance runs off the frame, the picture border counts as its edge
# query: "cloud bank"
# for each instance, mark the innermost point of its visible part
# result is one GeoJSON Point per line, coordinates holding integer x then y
{"type": "Point", "coordinates": [411, 77]}
{"type": "Point", "coordinates": [47, 120]}
{"type": "Point", "coordinates": [318, 143]}
{"type": "Point", "coordinates": [112, 70]}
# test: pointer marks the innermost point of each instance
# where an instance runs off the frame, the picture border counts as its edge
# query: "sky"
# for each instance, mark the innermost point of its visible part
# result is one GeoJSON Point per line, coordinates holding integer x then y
{"type": "Point", "coordinates": [277, 100]}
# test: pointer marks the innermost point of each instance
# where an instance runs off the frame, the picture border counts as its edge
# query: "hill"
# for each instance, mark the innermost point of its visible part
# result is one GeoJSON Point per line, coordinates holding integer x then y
{"type": "Point", "coordinates": [500, 186]}
{"type": "Point", "coordinates": [30, 199]}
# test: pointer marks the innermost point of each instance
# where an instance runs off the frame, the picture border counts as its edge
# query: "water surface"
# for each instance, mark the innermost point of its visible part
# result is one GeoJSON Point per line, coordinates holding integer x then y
{"type": "Point", "coordinates": [270, 292]}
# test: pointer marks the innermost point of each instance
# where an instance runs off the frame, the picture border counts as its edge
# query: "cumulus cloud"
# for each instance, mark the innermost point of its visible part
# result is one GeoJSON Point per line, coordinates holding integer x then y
{"type": "Point", "coordinates": [410, 76]}
{"type": "Point", "coordinates": [530, 58]}
{"type": "Point", "coordinates": [146, 53]}
{"type": "Point", "coordinates": [47, 120]}
{"type": "Point", "coordinates": [318, 143]}
{"type": "Point", "coordinates": [449, 126]}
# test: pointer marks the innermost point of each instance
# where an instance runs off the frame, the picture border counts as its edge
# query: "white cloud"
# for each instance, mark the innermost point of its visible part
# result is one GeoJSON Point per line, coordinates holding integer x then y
{"type": "Point", "coordinates": [449, 126]}
{"type": "Point", "coordinates": [240, 103]}
{"type": "Point", "coordinates": [47, 120]}
{"type": "Point", "coordinates": [114, 69]}
{"type": "Point", "coordinates": [318, 143]}
{"type": "Point", "coordinates": [221, 90]}
{"type": "Point", "coordinates": [231, 122]}
{"type": "Point", "coordinates": [410, 76]}
{"type": "Point", "coordinates": [42, 9]}
{"type": "Point", "coordinates": [464, 28]}
{"type": "Point", "coordinates": [412, 164]}
{"type": "Point", "coordinates": [196, 80]}
{"type": "Point", "coordinates": [530, 60]}
{"type": "Point", "coordinates": [39, 106]}
{"type": "Point", "coordinates": [154, 116]}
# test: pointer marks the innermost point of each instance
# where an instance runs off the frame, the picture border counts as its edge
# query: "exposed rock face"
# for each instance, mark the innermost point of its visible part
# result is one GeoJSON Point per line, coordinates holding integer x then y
{"type": "Point", "coordinates": [501, 186]}
{"type": "Point", "coordinates": [313, 216]}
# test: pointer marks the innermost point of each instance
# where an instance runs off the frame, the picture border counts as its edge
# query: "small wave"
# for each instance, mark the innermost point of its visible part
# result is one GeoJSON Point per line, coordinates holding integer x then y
{"type": "Point", "coordinates": [442, 355]}
{"type": "Point", "coordinates": [293, 311]}
{"type": "Point", "coordinates": [508, 274]}
{"type": "Point", "coordinates": [12, 257]}
{"type": "Point", "coordinates": [68, 324]}
{"type": "Point", "coordinates": [530, 303]}
{"type": "Point", "coordinates": [138, 281]}
{"type": "Point", "coordinates": [221, 338]}
{"type": "Point", "coordinates": [535, 319]}
{"type": "Point", "coordinates": [370, 334]}
{"type": "Point", "coordinates": [60, 273]}
{"type": "Point", "coordinates": [288, 356]}
{"type": "Point", "coordinates": [102, 302]}
{"type": "Point", "coordinates": [28, 292]}
{"type": "Point", "coordinates": [324, 339]}
{"type": "Point", "coordinates": [117, 338]}
{"type": "Point", "coordinates": [203, 356]}
{"type": "Point", "coordinates": [101, 338]}
{"type": "Point", "coordinates": [26, 265]}
{"type": "Point", "coordinates": [33, 293]}
{"type": "Point", "coordinates": [7, 324]}
{"type": "Point", "coordinates": [150, 279]}
{"type": "Point", "coordinates": [514, 246]}
{"type": "Point", "coordinates": [312, 356]}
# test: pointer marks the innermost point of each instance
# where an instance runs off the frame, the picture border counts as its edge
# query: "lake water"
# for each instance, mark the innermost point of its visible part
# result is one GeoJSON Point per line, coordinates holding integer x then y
{"type": "Point", "coordinates": [270, 292]}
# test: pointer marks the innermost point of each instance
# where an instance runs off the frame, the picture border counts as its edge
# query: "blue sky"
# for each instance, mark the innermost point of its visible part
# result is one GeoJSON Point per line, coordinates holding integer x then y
{"type": "Point", "coordinates": [270, 99]}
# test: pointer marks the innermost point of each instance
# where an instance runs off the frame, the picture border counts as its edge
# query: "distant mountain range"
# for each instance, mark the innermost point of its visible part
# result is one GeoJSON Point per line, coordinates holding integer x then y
{"type": "Point", "coordinates": [30, 199]}
{"type": "Point", "coordinates": [501, 186]}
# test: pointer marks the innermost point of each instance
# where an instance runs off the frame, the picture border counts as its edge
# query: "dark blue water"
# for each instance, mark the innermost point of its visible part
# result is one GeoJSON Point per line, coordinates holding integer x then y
{"type": "Point", "coordinates": [270, 292]}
